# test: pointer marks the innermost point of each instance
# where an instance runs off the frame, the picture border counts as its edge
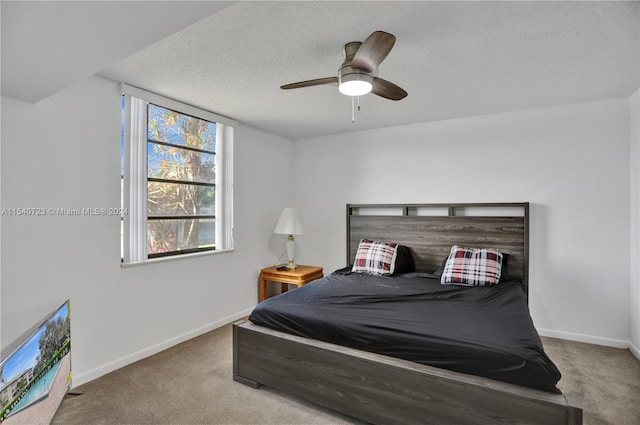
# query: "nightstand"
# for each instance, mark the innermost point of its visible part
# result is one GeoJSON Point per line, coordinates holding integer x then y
{"type": "Point", "coordinates": [300, 276]}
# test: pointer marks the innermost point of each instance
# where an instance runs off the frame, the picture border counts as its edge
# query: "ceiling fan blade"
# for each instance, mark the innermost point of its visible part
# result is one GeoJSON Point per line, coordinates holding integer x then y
{"type": "Point", "coordinates": [373, 51]}
{"type": "Point", "coordinates": [387, 89]}
{"type": "Point", "coordinates": [309, 83]}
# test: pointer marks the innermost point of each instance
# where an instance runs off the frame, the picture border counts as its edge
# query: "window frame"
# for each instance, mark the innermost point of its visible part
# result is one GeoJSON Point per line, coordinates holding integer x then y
{"type": "Point", "coordinates": [135, 179]}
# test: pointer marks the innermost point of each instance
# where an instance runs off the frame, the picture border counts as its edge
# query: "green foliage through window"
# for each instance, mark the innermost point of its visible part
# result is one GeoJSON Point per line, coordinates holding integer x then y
{"type": "Point", "coordinates": [181, 157]}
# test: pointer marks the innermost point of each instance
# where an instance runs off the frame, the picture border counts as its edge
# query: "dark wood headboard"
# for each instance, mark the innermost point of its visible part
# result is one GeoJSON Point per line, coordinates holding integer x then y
{"type": "Point", "coordinates": [430, 230]}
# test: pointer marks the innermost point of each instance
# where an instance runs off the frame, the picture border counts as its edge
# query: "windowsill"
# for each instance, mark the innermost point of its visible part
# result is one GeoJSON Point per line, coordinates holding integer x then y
{"type": "Point", "coordinates": [174, 258]}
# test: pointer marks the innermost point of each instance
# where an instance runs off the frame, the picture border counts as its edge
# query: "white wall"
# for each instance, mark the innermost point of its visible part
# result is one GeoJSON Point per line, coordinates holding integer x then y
{"type": "Point", "coordinates": [64, 152]}
{"type": "Point", "coordinates": [570, 162]}
{"type": "Point", "coordinates": [634, 120]}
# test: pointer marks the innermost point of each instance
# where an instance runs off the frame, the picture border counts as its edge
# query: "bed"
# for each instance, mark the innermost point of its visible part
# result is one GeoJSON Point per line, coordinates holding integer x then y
{"type": "Point", "coordinates": [409, 380]}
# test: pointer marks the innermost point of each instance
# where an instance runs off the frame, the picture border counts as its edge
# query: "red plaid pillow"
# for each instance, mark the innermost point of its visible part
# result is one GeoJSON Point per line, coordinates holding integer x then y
{"type": "Point", "coordinates": [472, 267]}
{"type": "Point", "coordinates": [378, 258]}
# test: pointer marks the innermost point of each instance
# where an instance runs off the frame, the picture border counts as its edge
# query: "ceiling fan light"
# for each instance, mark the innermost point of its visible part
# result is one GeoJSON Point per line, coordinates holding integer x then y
{"type": "Point", "coordinates": [355, 84]}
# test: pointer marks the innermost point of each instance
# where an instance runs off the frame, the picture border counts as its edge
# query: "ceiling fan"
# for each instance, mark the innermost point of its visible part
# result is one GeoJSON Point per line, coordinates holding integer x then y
{"type": "Point", "coordinates": [358, 73]}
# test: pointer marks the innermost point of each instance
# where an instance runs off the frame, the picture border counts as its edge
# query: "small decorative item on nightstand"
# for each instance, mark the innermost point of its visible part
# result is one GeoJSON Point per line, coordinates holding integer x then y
{"type": "Point", "coordinates": [300, 276]}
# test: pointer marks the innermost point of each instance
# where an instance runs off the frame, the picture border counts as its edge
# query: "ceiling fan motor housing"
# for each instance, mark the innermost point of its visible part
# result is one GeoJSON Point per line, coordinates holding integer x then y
{"type": "Point", "coordinates": [360, 81]}
{"type": "Point", "coordinates": [352, 81]}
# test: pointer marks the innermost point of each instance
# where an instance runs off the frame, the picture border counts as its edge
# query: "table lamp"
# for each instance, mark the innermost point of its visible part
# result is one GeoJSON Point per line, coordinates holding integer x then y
{"type": "Point", "coordinates": [290, 224]}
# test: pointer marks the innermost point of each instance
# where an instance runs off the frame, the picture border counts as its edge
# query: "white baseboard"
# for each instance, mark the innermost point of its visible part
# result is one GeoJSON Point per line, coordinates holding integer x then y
{"type": "Point", "coordinates": [634, 350]}
{"type": "Point", "coordinates": [589, 339]}
{"type": "Point", "coordinates": [99, 371]}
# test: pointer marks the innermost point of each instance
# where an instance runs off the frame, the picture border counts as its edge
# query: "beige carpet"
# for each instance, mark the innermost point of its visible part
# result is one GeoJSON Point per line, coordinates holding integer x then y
{"type": "Point", "coordinates": [191, 384]}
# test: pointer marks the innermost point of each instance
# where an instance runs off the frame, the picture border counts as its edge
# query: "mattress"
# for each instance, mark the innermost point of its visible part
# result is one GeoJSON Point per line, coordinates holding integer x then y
{"type": "Point", "coordinates": [482, 331]}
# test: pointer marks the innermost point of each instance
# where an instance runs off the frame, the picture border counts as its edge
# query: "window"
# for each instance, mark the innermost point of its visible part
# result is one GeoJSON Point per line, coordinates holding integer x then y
{"type": "Point", "coordinates": [177, 183]}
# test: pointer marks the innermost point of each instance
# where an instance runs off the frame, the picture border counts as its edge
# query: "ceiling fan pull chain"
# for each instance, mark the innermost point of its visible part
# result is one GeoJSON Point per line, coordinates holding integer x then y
{"type": "Point", "coordinates": [353, 110]}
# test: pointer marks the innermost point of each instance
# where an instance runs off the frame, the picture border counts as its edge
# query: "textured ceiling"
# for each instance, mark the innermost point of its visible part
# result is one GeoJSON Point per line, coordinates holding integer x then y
{"type": "Point", "coordinates": [455, 59]}
{"type": "Point", "coordinates": [48, 45]}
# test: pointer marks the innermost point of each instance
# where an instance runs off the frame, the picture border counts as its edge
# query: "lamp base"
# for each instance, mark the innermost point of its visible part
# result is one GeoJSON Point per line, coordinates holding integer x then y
{"type": "Point", "coordinates": [290, 253]}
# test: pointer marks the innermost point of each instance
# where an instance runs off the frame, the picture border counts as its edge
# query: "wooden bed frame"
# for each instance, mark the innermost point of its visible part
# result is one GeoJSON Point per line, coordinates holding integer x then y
{"type": "Point", "coordinates": [385, 390]}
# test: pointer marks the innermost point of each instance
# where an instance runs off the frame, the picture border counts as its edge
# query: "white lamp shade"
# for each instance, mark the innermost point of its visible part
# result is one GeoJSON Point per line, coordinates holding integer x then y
{"type": "Point", "coordinates": [289, 223]}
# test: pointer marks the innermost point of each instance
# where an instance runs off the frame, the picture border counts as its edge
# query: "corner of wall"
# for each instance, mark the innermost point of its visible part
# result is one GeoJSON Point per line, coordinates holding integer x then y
{"type": "Point", "coordinates": [0, 220]}
{"type": "Point", "coordinates": [634, 225]}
